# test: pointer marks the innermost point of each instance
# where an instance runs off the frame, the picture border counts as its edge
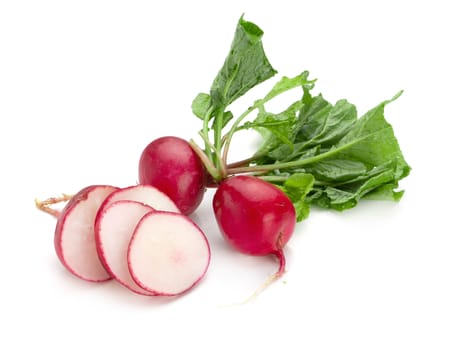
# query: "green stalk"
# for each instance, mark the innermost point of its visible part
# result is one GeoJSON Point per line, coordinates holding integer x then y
{"type": "Point", "coordinates": [217, 136]}
{"type": "Point", "coordinates": [221, 166]}
{"type": "Point", "coordinates": [209, 166]}
{"type": "Point", "coordinates": [274, 178]}
{"type": "Point", "coordinates": [234, 128]}
{"type": "Point", "coordinates": [241, 163]}
{"type": "Point", "coordinates": [257, 104]}
{"type": "Point", "coordinates": [205, 133]}
{"type": "Point", "coordinates": [293, 164]}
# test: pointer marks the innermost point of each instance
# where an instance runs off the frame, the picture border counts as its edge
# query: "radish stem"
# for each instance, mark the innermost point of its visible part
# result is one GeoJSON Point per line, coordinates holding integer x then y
{"type": "Point", "coordinates": [222, 167]}
{"type": "Point", "coordinates": [241, 163]}
{"type": "Point", "coordinates": [205, 160]}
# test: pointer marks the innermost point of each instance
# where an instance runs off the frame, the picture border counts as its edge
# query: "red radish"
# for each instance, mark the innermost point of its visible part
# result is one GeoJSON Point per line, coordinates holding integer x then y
{"type": "Point", "coordinates": [145, 194]}
{"type": "Point", "coordinates": [168, 253]}
{"type": "Point", "coordinates": [255, 217]}
{"type": "Point", "coordinates": [74, 234]}
{"type": "Point", "coordinates": [170, 164]}
{"type": "Point", "coordinates": [114, 229]}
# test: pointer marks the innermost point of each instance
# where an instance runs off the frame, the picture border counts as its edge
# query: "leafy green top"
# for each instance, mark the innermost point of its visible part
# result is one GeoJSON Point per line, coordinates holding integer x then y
{"type": "Point", "coordinates": [317, 152]}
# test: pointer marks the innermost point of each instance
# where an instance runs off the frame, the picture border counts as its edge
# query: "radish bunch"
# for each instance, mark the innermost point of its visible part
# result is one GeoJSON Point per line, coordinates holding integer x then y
{"type": "Point", "coordinates": [135, 235]}
{"type": "Point", "coordinates": [312, 152]}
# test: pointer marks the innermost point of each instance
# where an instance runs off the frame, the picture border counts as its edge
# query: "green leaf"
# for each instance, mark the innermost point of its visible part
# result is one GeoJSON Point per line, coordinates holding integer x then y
{"type": "Point", "coordinates": [284, 152]}
{"type": "Point", "coordinates": [201, 104]}
{"type": "Point", "coordinates": [286, 84]}
{"type": "Point", "coordinates": [351, 158]}
{"type": "Point", "coordinates": [227, 117]}
{"type": "Point", "coordinates": [325, 124]}
{"type": "Point", "coordinates": [296, 187]}
{"type": "Point", "coordinates": [385, 192]}
{"type": "Point", "coordinates": [245, 66]}
{"type": "Point", "coordinates": [337, 170]}
{"type": "Point", "coordinates": [334, 198]}
{"type": "Point", "coordinates": [277, 125]}
{"type": "Point", "coordinates": [313, 108]}
{"type": "Point", "coordinates": [346, 197]}
{"type": "Point", "coordinates": [373, 142]}
{"type": "Point", "coordinates": [318, 123]}
{"type": "Point", "coordinates": [279, 129]}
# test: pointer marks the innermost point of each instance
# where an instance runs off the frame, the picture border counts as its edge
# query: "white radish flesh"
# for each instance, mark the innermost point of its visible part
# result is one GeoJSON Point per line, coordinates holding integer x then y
{"type": "Point", "coordinates": [144, 194]}
{"type": "Point", "coordinates": [74, 234]}
{"type": "Point", "coordinates": [114, 228]}
{"type": "Point", "coordinates": [168, 253]}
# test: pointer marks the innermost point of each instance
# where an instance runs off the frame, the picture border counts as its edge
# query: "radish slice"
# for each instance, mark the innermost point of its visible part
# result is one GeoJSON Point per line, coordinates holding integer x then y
{"type": "Point", "coordinates": [168, 253]}
{"type": "Point", "coordinates": [144, 194]}
{"type": "Point", "coordinates": [114, 229]}
{"type": "Point", "coordinates": [74, 234]}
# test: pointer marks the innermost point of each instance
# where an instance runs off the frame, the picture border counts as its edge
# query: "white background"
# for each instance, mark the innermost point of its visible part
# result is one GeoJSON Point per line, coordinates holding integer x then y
{"type": "Point", "coordinates": [85, 85]}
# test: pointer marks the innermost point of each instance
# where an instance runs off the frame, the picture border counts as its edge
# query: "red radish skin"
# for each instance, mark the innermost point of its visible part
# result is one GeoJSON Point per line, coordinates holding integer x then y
{"type": "Point", "coordinates": [255, 217]}
{"type": "Point", "coordinates": [74, 234]}
{"type": "Point", "coordinates": [170, 164]}
{"type": "Point", "coordinates": [168, 253]}
{"type": "Point", "coordinates": [114, 228]}
{"type": "Point", "coordinates": [145, 194]}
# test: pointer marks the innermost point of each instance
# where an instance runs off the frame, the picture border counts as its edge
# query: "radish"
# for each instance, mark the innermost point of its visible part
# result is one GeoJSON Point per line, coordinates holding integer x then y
{"type": "Point", "coordinates": [168, 253]}
{"type": "Point", "coordinates": [145, 194]}
{"type": "Point", "coordinates": [255, 217]}
{"type": "Point", "coordinates": [170, 164]}
{"type": "Point", "coordinates": [74, 234]}
{"type": "Point", "coordinates": [114, 229]}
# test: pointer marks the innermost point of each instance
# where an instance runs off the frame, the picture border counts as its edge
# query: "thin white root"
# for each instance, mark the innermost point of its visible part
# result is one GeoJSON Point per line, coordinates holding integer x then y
{"type": "Point", "coordinates": [279, 254]}
{"type": "Point", "coordinates": [45, 204]}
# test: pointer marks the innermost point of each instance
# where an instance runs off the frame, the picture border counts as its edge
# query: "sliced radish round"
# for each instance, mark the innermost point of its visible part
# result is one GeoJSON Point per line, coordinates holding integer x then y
{"type": "Point", "coordinates": [168, 253]}
{"type": "Point", "coordinates": [145, 194]}
{"type": "Point", "coordinates": [114, 229]}
{"type": "Point", "coordinates": [74, 234]}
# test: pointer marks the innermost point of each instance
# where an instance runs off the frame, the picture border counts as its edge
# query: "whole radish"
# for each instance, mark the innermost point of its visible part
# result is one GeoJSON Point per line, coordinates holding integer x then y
{"type": "Point", "coordinates": [170, 164]}
{"type": "Point", "coordinates": [255, 217]}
